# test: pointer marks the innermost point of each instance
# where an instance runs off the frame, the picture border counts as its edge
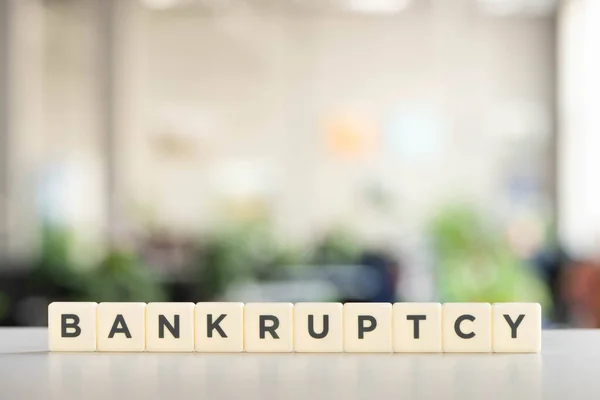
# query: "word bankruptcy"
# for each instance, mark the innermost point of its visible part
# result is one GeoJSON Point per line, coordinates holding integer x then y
{"type": "Point", "coordinates": [300, 327]}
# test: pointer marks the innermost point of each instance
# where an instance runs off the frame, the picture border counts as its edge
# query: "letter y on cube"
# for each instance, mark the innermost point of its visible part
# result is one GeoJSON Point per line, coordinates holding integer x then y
{"type": "Point", "coordinates": [517, 327]}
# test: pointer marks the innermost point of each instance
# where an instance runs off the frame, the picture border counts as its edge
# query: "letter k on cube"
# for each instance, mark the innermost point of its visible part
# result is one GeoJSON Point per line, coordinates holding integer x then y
{"type": "Point", "coordinates": [219, 327]}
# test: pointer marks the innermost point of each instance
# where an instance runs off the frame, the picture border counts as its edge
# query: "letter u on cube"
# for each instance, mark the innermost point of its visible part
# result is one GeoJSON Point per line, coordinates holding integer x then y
{"type": "Point", "coordinates": [303, 327]}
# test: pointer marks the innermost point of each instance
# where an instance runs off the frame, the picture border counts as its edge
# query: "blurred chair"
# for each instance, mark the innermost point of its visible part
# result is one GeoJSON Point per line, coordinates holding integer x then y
{"type": "Point", "coordinates": [580, 289]}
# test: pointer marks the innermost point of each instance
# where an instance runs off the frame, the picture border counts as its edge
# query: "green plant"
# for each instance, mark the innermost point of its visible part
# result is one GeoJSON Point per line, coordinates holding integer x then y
{"type": "Point", "coordinates": [241, 252]}
{"type": "Point", "coordinates": [338, 246]}
{"type": "Point", "coordinates": [121, 276]}
{"type": "Point", "coordinates": [54, 273]}
{"type": "Point", "coordinates": [476, 264]}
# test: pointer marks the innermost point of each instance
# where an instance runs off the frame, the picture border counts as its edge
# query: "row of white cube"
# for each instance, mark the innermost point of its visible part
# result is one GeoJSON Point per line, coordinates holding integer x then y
{"type": "Point", "coordinates": [303, 327]}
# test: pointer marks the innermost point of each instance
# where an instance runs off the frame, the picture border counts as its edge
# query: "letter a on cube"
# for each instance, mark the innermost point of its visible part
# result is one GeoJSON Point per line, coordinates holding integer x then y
{"type": "Point", "coordinates": [121, 327]}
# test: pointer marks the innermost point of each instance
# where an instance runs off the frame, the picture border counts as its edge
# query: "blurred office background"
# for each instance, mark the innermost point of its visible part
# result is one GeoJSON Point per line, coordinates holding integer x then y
{"type": "Point", "coordinates": [300, 150]}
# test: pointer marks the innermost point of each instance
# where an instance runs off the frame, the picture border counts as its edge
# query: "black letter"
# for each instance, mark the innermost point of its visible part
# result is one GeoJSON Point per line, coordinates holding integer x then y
{"type": "Point", "coordinates": [416, 319]}
{"type": "Point", "coordinates": [210, 325]}
{"type": "Point", "coordinates": [64, 325]}
{"type": "Point", "coordinates": [119, 320]}
{"type": "Point", "coordinates": [271, 329]}
{"type": "Point", "coordinates": [311, 327]}
{"type": "Point", "coordinates": [514, 325]}
{"type": "Point", "coordinates": [361, 326]}
{"type": "Point", "coordinates": [457, 326]}
{"type": "Point", "coordinates": [162, 322]}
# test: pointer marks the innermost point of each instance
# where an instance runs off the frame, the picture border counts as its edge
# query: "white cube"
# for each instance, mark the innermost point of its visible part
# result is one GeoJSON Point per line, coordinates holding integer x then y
{"type": "Point", "coordinates": [417, 327]}
{"type": "Point", "coordinates": [517, 327]}
{"type": "Point", "coordinates": [220, 327]}
{"type": "Point", "coordinates": [121, 327]}
{"type": "Point", "coordinates": [268, 327]}
{"type": "Point", "coordinates": [170, 327]}
{"type": "Point", "coordinates": [318, 327]}
{"type": "Point", "coordinates": [467, 327]}
{"type": "Point", "coordinates": [368, 327]}
{"type": "Point", "coordinates": [72, 326]}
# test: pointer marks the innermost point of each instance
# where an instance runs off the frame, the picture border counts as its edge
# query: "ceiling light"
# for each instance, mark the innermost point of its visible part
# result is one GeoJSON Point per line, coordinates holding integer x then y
{"type": "Point", "coordinates": [378, 6]}
{"type": "Point", "coordinates": [163, 4]}
{"type": "Point", "coordinates": [514, 7]}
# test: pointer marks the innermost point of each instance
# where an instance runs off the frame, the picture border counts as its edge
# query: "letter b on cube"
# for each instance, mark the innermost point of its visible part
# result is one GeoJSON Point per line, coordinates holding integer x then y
{"type": "Point", "coordinates": [72, 326]}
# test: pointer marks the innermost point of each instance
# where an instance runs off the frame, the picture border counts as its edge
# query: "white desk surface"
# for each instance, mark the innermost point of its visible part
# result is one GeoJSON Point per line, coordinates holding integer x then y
{"type": "Point", "coordinates": [567, 368]}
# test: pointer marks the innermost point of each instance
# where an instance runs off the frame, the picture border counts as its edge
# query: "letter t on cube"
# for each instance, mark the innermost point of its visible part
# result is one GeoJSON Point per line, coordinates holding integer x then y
{"type": "Point", "coordinates": [417, 327]}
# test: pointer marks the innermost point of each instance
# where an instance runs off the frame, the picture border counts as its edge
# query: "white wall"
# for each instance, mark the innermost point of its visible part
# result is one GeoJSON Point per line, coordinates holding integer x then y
{"type": "Point", "coordinates": [252, 87]}
{"type": "Point", "coordinates": [54, 169]}
{"type": "Point", "coordinates": [24, 107]}
{"type": "Point", "coordinates": [213, 108]}
{"type": "Point", "coordinates": [579, 144]}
